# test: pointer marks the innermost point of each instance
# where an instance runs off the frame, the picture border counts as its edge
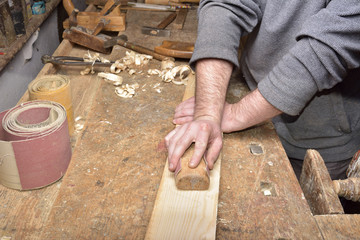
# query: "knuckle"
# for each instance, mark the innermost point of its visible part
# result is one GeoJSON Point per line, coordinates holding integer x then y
{"type": "Point", "coordinates": [204, 126]}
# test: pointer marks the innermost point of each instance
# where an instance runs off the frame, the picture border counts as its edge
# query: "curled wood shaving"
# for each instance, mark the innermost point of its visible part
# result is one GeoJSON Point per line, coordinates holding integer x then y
{"type": "Point", "coordinates": [117, 67]}
{"type": "Point", "coordinates": [126, 91]}
{"type": "Point", "coordinates": [79, 123]}
{"type": "Point", "coordinates": [178, 75]}
{"type": "Point", "coordinates": [133, 58]}
{"type": "Point", "coordinates": [131, 71]}
{"type": "Point", "coordinates": [167, 64]}
{"type": "Point", "coordinates": [92, 58]}
{"type": "Point", "coordinates": [154, 72]}
{"type": "Point", "coordinates": [86, 71]}
{"type": "Point", "coordinates": [111, 78]}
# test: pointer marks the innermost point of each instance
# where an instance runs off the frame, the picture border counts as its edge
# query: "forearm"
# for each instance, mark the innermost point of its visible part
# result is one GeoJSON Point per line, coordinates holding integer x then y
{"type": "Point", "coordinates": [249, 111]}
{"type": "Point", "coordinates": [212, 80]}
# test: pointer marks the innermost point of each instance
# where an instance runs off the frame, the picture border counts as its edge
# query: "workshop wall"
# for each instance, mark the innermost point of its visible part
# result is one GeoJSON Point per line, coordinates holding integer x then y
{"type": "Point", "coordinates": [25, 66]}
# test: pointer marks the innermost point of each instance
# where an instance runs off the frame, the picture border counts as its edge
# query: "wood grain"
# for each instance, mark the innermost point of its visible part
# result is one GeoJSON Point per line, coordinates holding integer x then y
{"type": "Point", "coordinates": [317, 185]}
{"type": "Point", "coordinates": [180, 214]}
{"type": "Point", "coordinates": [339, 226]}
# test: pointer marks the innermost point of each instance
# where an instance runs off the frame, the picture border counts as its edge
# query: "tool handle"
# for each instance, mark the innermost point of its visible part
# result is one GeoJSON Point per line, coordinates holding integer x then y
{"type": "Point", "coordinates": [141, 49]}
{"type": "Point", "coordinates": [348, 188]}
{"type": "Point", "coordinates": [187, 178]}
{"type": "Point", "coordinates": [167, 21]}
{"type": "Point", "coordinates": [100, 26]}
{"type": "Point", "coordinates": [175, 49]}
{"type": "Point", "coordinates": [69, 6]}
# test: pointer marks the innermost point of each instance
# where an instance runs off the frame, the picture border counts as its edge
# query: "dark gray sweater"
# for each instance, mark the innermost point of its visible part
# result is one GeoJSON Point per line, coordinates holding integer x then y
{"type": "Point", "coordinates": [304, 56]}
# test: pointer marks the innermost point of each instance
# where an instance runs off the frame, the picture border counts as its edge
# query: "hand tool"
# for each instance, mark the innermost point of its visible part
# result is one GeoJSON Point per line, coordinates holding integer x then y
{"type": "Point", "coordinates": [320, 191]}
{"type": "Point", "coordinates": [160, 30]}
{"type": "Point", "coordinates": [118, 40]}
{"type": "Point", "coordinates": [100, 26]}
{"type": "Point", "coordinates": [155, 7]}
{"type": "Point", "coordinates": [110, 6]}
{"type": "Point", "coordinates": [72, 61]}
{"type": "Point", "coordinates": [187, 178]}
{"type": "Point", "coordinates": [175, 49]}
{"type": "Point", "coordinates": [166, 2]}
{"type": "Point", "coordinates": [86, 38]}
{"type": "Point", "coordinates": [111, 13]}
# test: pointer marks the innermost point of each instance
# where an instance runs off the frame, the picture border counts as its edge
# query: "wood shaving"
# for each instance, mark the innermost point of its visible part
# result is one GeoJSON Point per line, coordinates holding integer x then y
{"type": "Point", "coordinates": [156, 85]}
{"type": "Point", "coordinates": [167, 64]}
{"type": "Point", "coordinates": [131, 72]}
{"type": "Point", "coordinates": [86, 71]}
{"type": "Point", "coordinates": [136, 59]}
{"type": "Point", "coordinates": [117, 67]}
{"type": "Point", "coordinates": [126, 91]}
{"type": "Point", "coordinates": [178, 75]}
{"type": "Point", "coordinates": [154, 72]}
{"type": "Point", "coordinates": [92, 58]}
{"type": "Point", "coordinates": [79, 123]}
{"type": "Point", "coordinates": [111, 78]}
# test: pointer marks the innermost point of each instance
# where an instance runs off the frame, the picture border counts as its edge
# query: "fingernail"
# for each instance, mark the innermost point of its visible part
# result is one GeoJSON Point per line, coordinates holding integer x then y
{"type": "Point", "coordinates": [171, 166]}
{"type": "Point", "coordinates": [192, 164]}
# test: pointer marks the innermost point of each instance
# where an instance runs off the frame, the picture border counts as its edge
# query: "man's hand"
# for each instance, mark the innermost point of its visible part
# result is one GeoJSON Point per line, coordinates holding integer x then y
{"type": "Point", "coordinates": [212, 78]}
{"type": "Point", "coordinates": [184, 113]}
{"type": "Point", "coordinates": [204, 132]}
{"type": "Point", "coordinates": [249, 111]}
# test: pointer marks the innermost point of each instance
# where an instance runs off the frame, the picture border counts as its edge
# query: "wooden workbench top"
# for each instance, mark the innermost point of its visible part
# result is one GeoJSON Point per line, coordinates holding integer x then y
{"type": "Point", "coordinates": [118, 157]}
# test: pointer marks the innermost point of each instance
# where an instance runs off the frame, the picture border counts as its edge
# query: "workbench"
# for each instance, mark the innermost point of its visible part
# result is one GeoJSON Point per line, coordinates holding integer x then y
{"type": "Point", "coordinates": [109, 189]}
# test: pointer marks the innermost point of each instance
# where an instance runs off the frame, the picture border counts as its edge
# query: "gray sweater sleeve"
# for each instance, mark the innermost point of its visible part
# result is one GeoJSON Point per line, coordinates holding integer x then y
{"type": "Point", "coordinates": [327, 47]}
{"type": "Point", "coordinates": [220, 26]}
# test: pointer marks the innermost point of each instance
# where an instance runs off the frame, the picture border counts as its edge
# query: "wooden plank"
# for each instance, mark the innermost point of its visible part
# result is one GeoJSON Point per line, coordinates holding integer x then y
{"type": "Point", "coordinates": [182, 214]}
{"type": "Point", "coordinates": [339, 226]}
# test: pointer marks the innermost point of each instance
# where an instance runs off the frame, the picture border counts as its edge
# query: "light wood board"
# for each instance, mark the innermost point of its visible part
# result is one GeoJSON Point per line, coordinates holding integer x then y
{"type": "Point", "coordinates": [179, 214]}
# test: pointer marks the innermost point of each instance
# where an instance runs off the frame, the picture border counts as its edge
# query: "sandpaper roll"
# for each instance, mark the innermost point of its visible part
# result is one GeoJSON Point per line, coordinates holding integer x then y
{"type": "Point", "coordinates": [35, 148]}
{"type": "Point", "coordinates": [54, 88]}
